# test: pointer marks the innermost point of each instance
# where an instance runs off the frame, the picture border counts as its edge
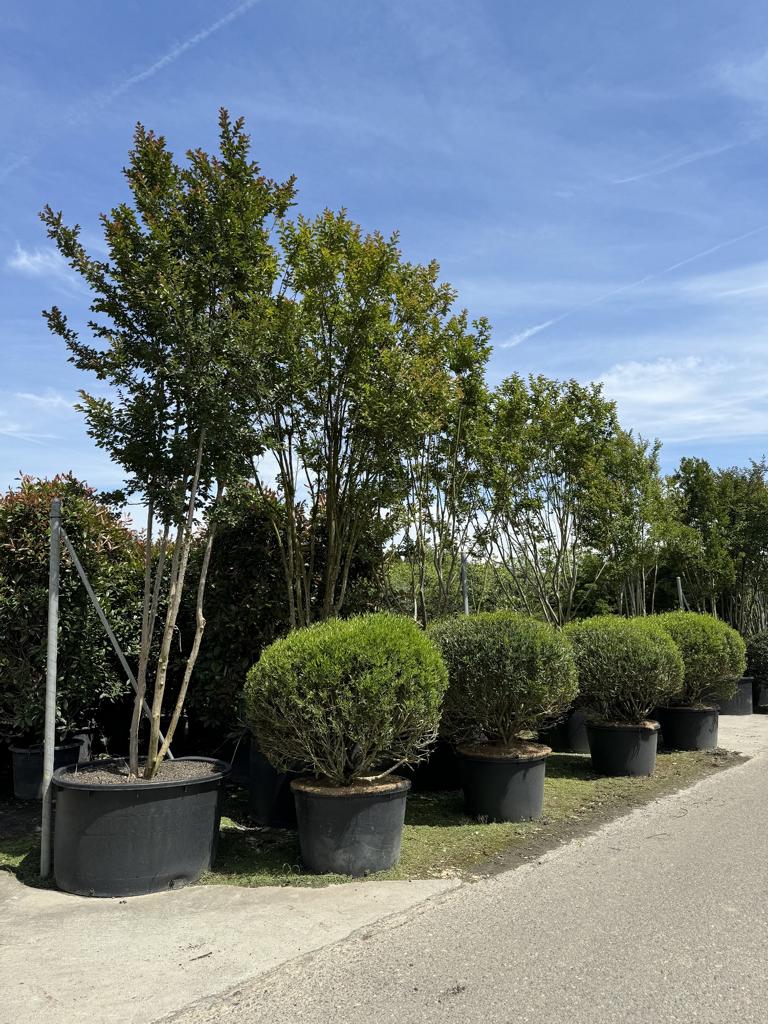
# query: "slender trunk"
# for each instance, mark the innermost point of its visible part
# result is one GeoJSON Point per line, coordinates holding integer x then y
{"type": "Point", "coordinates": [178, 572]}
{"type": "Point", "coordinates": [199, 630]}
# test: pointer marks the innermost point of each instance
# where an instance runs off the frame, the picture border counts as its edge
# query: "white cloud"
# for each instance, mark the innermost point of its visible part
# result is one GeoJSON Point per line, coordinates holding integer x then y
{"type": "Point", "coordinates": [692, 398]}
{"type": "Point", "coordinates": [747, 80]}
{"type": "Point", "coordinates": [46, 263]}
{"type": "Point", "coordinates": [50, 399]}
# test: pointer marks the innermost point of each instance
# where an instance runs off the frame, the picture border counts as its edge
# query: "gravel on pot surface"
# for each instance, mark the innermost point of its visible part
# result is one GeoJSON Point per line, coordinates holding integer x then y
{"type": "Point", "coordinates": [112, 773]}
{"type": "Point", "coordinates": [520, 750]}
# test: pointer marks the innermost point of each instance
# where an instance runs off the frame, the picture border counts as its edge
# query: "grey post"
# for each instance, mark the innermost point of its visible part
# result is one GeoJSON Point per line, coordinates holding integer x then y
{"type": "Point", "coordinates": [50, 686]}
{"type": "Point", "coordinates": [464, 588]}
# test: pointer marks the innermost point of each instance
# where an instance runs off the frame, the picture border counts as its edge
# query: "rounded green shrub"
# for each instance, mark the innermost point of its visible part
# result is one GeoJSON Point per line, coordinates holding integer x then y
{"type": "Point", "coordinates": [713, 655]}
{"type": "Point", "coordinates": [507, 673]}
{"type": "Point", "coordinates": [343, 699]}
{"type": "Point", "coordinates": [757, 657]}
{"type": "Point", "coordinates": [626, 666]}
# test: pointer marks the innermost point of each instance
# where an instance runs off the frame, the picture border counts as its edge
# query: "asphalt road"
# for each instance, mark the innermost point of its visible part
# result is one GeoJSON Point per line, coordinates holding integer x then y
{"type": "Point", "coordinates": [660, 917]}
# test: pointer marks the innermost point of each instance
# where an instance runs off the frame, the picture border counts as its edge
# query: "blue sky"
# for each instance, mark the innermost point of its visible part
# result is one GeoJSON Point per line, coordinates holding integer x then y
{"type": "Point", "coordinates": [591, 176]}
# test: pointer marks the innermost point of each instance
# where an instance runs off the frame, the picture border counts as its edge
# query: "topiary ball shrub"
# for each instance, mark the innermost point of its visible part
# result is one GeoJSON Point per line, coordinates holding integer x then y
{"type": "Point", "coordinates": [343, 698]}
{"type": "Point", "coordinates": [626, 666]}
{"type": "Point", "coordinates": [507, 672]}
{"type": "Point", "coordinates": [713, 656]}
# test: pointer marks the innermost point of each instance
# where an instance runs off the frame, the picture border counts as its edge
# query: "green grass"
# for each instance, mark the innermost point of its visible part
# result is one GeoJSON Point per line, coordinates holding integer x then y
{"type": "Point", "coordinates": [439, 840]}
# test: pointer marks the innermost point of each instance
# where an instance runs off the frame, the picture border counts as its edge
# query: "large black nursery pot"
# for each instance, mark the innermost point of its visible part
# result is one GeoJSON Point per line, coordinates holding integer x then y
{"type": "Point", "coordinates": [618, 749]}
{"type": "Point", "coordinates": [28, 766]}
{"type": "Point", "coordinates": [271, 801]}
{"type": "Point", "coordinates": [350, 830]}
{"type": "Point", "coordinates": [439, 773]}
{"type": "Point", "coordinates": [759, 695]}
{"type": "Point", "coordinates": [568, 736]}
{"type": "Point", "coordinates": [688, 728]}
{"type": "Point", "coordinates": [504, 785]}
{"type": "Point", "coordinates": [133, 838]}
{"type": "Point", "coordinates": [741, 702]}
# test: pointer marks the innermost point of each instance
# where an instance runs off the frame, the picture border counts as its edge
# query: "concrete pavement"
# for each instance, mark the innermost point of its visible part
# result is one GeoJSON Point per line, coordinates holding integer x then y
{"type": "Point", "coordinates": [630, 924]}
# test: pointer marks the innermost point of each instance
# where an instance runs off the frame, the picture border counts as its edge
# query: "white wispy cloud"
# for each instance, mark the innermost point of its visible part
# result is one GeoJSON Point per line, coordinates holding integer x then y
{"type": "Point", "coordinates": [665, 165]}
{"type": "Point", "coordinates": [746, 79]}
{"type": "Point", "coordinates": [49, 399]}
{"type": "Point", "coordinates": [103, 98]}
{"type": "Point", "coordinates": [691, 398]}
{"type": "Point", "coordinates": [43, 263]}
{"type": "Point", "coordinates": [529, 332]}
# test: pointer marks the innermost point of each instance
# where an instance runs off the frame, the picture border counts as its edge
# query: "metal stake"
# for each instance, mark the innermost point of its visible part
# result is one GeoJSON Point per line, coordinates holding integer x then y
{"type": "Point", "coordinates": [49, 743]}
{"type": "Point", "coordinates": [464, 588]}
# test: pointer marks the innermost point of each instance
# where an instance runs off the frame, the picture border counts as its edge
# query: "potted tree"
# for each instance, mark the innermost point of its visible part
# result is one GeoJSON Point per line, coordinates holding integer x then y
{"type": "Point", "coordinates": [88, 674]}
{"type": "Point", "coordinates": [508, 673]}
{"type": "Point", "coordinates": [349, 702]}
{"type": "Point", "coordinates": [757, 667]}
{"type": "Point", "coordinates": [626, 667]}
{"type": "Point", "coordinates": [182, 303]}
{"type": "Point", "coordinates": [714, 658]}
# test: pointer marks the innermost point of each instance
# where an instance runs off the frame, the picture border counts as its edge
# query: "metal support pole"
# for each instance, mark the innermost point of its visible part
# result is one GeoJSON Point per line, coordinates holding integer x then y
{"type": "Point", "coordinates": [50, 686]}
{"type": "Point", "coordinates": [464, 588]}
{"type": "Point", "coordinates": [107, 628]}
{"type": "Point", "coordinates": [680, 597]}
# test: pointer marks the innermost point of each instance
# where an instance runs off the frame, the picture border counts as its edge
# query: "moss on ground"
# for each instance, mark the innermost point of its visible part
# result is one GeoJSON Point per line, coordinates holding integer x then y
{"type": "Point", "coordinates": [439, 840]}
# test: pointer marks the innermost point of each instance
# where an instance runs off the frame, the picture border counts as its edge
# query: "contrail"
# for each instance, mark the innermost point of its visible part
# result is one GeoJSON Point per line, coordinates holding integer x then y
{"type": "Point", "coordinates": [99, 101]}
{"type": "Point", "coordinates": [683, 161]}
{"type": "Point", "coordinates": [529, 332]}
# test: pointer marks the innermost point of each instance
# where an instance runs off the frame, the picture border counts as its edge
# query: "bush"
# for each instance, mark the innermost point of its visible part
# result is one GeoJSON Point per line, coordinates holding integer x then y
{"type": "Point", "coordinates": [626, 666]}
{"type": "Point", "coordinates": [713, 655]}
{"type": "Point", "coordinates": [346, 698]}
{"type": "Point", "coordinates": [507, 673]}
{"type": "Point", "coordinates": [88, 671]}
{"type": "Point", "coordinates": [757, 657]}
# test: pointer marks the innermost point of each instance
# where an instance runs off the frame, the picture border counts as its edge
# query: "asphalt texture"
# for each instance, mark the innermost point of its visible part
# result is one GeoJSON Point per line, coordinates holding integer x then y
{"type": "Point", "coordinates": [661, 916]}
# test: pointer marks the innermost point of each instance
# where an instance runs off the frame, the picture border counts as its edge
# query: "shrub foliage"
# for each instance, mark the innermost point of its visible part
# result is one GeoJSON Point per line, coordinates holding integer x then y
{"type": "Point", "coordinates": [626, 666]}
{"type": "Point", "coordinates": [345, 699]}
{"type": "Point", "coordinates": [88, 672]}
{"type": "Point", "coordinates": [507, 672]}
{"type": "Point", "coordinates": [757, 657]}
{"type": "Point", "coordinates": [713, 655]}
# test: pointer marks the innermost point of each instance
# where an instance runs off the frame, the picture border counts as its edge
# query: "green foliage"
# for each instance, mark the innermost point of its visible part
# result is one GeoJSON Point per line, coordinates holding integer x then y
{"type": "Point", "coordinates": [626, 666]}
{"type": "Point", "coordinates": [757, 657]}
{"type": "Point", "coordinates": [553, 487]}
{"type": "Point", "coordinates": [507, 672]}
{"type": "Point", "coordinates": [88, 672]}
{"type": "Point", "coordinates": [345, 698]}
{"type": "Point", "coordinates": [183, 304]}
{"type": "Point", "coordinates": [713, 655]}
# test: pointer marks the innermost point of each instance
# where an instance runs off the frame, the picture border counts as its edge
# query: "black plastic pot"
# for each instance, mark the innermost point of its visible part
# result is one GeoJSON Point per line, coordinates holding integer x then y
{"type": "Point", "coordinates": [28, 767]}
{"type": "Point", "coordinates": [568, 736]}
{"type": "Point", "coordinates": [623, 749]}
{"type": "Point", "coordinates": [439, 773]}
{"type": "Point", "coordinates": [270, 798]}
{"type": "Point", "coordinates": [688, 728]}
{"type": "Point", "coordinates": [350, 831]}
{"type": "Point", "coordinates": [741, 702]}
{"type": "Point", "coordinates": [759, 695]}
{"type": "Point", "coordinates": [503, 787]}
{"type": "Point", "coordinates": [128, 839]}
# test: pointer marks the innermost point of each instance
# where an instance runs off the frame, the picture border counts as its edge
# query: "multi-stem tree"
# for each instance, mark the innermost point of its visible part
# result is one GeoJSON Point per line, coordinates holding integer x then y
{"type": "Point", "coordinates": [356, 371]}
{"type": "Point", "coordinates": [181, 308]}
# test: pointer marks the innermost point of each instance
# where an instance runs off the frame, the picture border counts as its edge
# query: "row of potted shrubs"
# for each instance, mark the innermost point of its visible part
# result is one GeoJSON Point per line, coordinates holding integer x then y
{"type": "Point", "coordinates": [346, 705]}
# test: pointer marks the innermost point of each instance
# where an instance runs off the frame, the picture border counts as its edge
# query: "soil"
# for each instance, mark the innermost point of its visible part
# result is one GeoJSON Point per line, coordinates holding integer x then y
{"type": "Point", "coordinates": [112, 773]}
{"type": "Point", "coordinates": [649, 723]}
{"type": "Point", "coordinates": [389, 784]}
{"type": "Point", "coordinates": [522, 750]}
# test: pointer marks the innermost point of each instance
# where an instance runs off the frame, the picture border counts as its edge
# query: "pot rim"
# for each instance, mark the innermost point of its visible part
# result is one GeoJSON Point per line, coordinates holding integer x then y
{"type": "Point", "coordinates": [495, 755]}
{"type": "Point", "coordinates": [673, 708]}
{"type": "Point", "coordinates": [309, 784]}
{"type": "Point", "coordinates": [63, 781]}
{"type": "Point", "coordinates": [650, 726]}
{"type": "Point", "coordinates": [37, 748]}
